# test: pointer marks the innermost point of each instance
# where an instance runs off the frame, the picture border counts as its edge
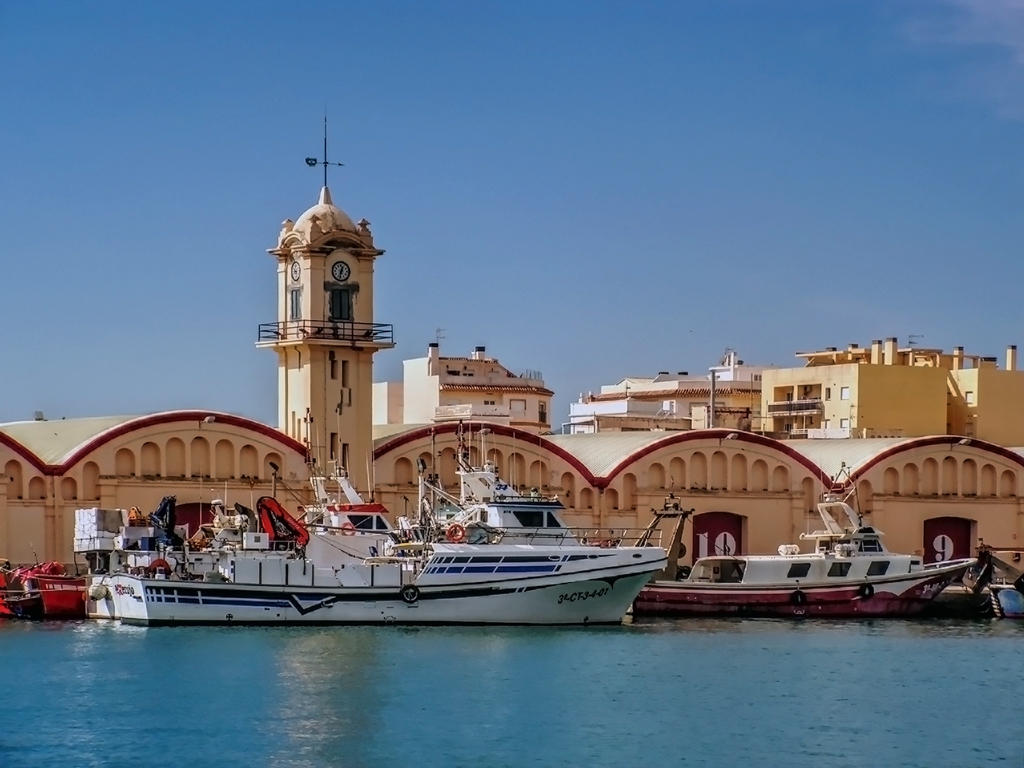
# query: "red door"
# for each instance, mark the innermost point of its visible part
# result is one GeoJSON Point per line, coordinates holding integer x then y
{"type": "Point", "coordinates": [717, 533]}
{"type": "Point", "coordinates": [193, 514]}
{"type": "Point", "coordinates": [946, 538]}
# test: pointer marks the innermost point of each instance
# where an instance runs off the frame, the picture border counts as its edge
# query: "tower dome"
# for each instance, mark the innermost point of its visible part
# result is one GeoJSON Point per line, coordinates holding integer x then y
{"type": "Point", "coordinates": [322, 219]}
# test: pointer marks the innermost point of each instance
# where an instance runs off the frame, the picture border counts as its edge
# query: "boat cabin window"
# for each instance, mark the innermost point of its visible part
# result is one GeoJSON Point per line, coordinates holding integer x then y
{"type": "Point", "coordinates": [553, 521]}
{"type": "Point", "coordinates": [725, 571]}
{"type": "Point", "coordinates": [839, 569]}
{"type": "Point", "coordinates": [530, 518]}
{"type": "Point", "coordinates": [368, 522]}
{"type": "Point", "coordinates": [878, 568]}
{"type": "Point", "coordinates": [798, 570]}
{"type": "Point", "coordinates": [870, 545]}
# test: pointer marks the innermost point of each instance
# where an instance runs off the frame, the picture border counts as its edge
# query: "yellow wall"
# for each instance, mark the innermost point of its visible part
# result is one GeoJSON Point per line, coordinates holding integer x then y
{"type": "Point", "coordinates": [899, 400]}
{"type": "Point", "coordinates": [998, 409]}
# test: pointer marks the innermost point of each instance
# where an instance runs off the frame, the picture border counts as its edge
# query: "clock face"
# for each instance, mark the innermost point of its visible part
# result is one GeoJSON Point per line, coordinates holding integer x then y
{"type": "Point", "coordinates": [296, 271]}
{"type": "Point", "coordinates": [341, 271]}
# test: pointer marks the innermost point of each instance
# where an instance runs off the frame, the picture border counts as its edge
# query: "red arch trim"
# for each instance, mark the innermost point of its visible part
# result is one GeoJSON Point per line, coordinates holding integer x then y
{"type": "Point", "coordinates": [24, 452]}
{"type": "Point", "coordinates": [169, 417]}
{"type": "Point", "coordinates": [924, 442]}
{"type": "Point", "coordinates": [498, 429]}
{"type": "Point", "coordinates": [602, 482]}
{"type": "Point", "coordinates": [720, 434]}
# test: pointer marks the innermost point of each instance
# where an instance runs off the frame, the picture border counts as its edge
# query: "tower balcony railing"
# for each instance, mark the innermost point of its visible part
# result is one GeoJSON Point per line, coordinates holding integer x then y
{"type": "Point", "coordinates": [382, 334]}
{"type": "Point", "coordinates": [791, 407]}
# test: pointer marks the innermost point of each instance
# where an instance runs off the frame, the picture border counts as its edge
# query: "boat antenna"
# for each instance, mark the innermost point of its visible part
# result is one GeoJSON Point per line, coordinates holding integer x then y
{"type": "Point", "coordinates": [313, 162]}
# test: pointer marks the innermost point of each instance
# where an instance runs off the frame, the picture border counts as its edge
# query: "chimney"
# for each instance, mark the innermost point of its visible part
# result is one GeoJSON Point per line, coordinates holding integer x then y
{"type": "Point", "coordinates": [889, 351]}
{"type": "Point", "coordinates": [876, 352]}
{"type": "Point", "coordinates": [1011, 357]}
{"type": "Point", "coordinates": [433, 358]}
{"type": "Point", "coordinates": [958, 358]}
{"type": "Point", "coordinates": [479, 353]}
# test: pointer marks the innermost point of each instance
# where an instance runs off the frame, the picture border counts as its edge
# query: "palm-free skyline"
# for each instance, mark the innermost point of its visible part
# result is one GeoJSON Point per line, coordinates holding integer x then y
{"type": "Point", "coordinates": [592, 190]}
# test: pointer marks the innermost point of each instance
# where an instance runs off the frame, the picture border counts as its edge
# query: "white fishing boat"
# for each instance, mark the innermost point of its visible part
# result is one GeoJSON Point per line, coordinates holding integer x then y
{"type": "Point", "coordinates": [488, 556]}
{"type": "Point", "coordinates": [848, 573]}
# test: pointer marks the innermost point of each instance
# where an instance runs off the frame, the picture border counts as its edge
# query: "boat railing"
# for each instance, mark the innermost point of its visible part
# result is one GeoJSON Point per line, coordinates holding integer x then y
{"type": "Point", "coordinates": [576, 536]}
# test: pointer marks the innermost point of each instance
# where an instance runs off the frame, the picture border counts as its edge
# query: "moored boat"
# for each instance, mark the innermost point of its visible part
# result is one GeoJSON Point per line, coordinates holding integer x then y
{"type": "Point", "coordinates": [487, 556]}
{"type": "Point", "coordinates": [848, 573]}
{"type": "Point", "coordinates": [44, 591]}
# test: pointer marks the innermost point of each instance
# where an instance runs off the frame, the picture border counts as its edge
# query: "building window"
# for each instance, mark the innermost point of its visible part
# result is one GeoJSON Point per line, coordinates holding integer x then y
{"type": "Point", "coordinates": [295, 304]}
{"type": "Point", "coordinates": [332, 364]}
{"type": "Point", "coordinates": [542, 414]}
{"type": "Point", "coordinates": [489, 402]}
{"type": "Point", "coordinates": [828, 423]}
{"type": "Point", "coordinates": [344, 374]}
{"type": "Point", "coordinates": [788, 427]}
{"type": "Point", "coordinates": [969, 398]}
{"type": "Point", "coordinates": [344, 455]}
{"type": "Point", "coordinates": [844, 423]}
{"type": "Point", "coordinates": [844, 393]}
{"type": "Point", "coordinates": [341, 304]}
{"type": "Point", "coordinates": [789, 396]}
{"type": "Point", "coordinates": [828, 393]}
{"type": "Point", "coordinates": [334, 446]}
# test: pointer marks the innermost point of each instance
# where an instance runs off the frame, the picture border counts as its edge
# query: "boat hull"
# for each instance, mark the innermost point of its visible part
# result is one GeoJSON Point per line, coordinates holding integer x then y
{"type": "Point", "coordinates": [48, 597]}
{"type": "Point", "coordinates": [906, 595]}
{"type": "Point", "coordinates": [601, 597]}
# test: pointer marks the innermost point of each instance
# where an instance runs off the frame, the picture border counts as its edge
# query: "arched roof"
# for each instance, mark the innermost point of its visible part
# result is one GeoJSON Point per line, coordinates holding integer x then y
{"type": "Point", "coordinates": [601, 457]}
{"type": "Point", "coordinates": [54, 446]}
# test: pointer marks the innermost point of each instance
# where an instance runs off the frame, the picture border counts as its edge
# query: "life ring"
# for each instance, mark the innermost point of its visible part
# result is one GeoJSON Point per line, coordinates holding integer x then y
{"type": "Point", "coordinates": [799, 597]}
{"type": "Point", "coordinates": [160, 564]}
{"type": "Point", "coordinates": [410, 593]}
{"type": "Point", "coordinates": [348, 529]}
{"type": "Point", "coordinates": [866, 591]}
{"type": "Point", "coordinates": [456, 533]}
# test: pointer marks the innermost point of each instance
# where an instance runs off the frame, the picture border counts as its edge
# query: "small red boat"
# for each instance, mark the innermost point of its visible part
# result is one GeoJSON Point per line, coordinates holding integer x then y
{"type": "Point", "coordinates": [849, 573]}
{"type": "Point", "coordinates": [43, 591]}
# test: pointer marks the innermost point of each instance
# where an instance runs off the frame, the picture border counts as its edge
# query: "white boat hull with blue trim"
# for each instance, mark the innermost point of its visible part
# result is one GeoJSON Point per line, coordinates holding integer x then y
{"type": "Point", "coordinates": [459, 584]}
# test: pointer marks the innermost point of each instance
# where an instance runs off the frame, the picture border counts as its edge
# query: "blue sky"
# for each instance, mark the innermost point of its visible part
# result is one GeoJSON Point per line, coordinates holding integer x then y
{"type": "Point", "coordinates": [590, 189]}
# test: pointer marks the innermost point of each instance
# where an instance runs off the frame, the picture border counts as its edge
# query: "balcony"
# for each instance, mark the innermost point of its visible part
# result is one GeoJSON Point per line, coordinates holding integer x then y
{"type": "Point", "coordinates": [471, 412]}
{"type": "Point", "coordinates": [796, 407]}
{"type": "Point", "coordinates": [380, 335]}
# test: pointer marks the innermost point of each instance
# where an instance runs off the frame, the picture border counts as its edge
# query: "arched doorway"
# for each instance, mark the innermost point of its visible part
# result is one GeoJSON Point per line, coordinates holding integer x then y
{"type": "Point", "coordinates": [717, 533]}
{"type": "Point", "coordinates": [947, 538]}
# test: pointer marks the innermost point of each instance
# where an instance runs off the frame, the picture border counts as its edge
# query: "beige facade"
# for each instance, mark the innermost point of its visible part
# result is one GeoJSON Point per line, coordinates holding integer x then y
{"type": "Point", "coordinates": [439, 389]}
{"type": "Point", "coordinates": [886, 391]}
{"type": "Point", "coordinates": [52, 468]}
{"type": "Point", "coordinates": [729, 397]}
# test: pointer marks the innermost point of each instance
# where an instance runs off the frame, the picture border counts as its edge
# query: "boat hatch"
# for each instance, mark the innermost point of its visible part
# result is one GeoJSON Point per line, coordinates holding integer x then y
{"type": "Point", "coordinates": [719, 571]}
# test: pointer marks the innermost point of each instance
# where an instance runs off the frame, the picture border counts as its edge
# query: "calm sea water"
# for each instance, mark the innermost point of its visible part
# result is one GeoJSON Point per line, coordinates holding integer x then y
{"type": "Point", "coordinates": [659, 693]}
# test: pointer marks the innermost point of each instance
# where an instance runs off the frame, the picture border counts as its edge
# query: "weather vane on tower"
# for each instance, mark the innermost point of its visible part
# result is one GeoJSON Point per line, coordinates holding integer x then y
{"type": "Point", "coordinates": [313, 162]}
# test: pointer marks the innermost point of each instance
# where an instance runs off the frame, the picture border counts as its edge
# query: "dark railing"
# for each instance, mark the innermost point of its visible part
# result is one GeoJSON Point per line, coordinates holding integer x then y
{"type": "Point", "coordinates": [328, 330]}
{"type": "Point", "coordinates": [795, 406]}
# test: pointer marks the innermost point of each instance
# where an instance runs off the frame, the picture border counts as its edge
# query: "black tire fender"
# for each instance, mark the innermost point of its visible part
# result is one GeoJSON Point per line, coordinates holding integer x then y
{"type": "Point", "coordinates": [410, 593]}
{"type": "Point", "coordinates": [799, 597]}
{"type": "Point", "coordinates": [866, 591]}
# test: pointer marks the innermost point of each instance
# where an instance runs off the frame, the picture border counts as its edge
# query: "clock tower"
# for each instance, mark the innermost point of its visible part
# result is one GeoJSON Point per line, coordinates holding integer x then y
{"type": "Point", "coordinates": [325, 336]}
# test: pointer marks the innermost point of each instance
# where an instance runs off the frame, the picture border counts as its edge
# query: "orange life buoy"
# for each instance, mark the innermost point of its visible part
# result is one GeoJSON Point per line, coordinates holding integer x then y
{"type": "Point", "coordinates": [456, 533]}
{"type": "Point", "coordinates": [348, 529]}
{"type": "Point", "coordinates": [160, 564]}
